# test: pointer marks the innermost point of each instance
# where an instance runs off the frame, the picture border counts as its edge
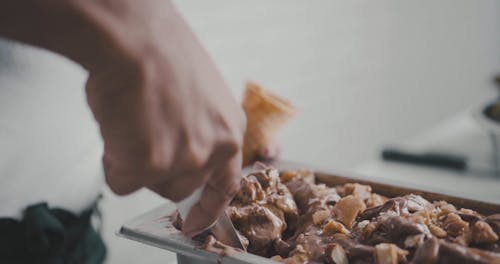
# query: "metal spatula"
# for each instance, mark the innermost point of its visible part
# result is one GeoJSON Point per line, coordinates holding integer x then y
{"type": "Point", "coordinates": [223, 229]}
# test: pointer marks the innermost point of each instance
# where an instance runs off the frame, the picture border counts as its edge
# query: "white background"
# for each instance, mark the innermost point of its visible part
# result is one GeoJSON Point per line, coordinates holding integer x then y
{"type": "Point", "coordinates": [360, 72]}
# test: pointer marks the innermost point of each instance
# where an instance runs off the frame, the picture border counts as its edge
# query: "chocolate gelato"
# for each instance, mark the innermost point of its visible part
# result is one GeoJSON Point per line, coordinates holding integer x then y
{"type": "Point", "coordinates": [290, 218]}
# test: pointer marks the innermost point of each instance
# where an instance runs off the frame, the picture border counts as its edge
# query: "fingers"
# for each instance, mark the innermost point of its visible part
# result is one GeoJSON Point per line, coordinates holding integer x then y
{"type": "Point", "coordinates": [219, 190]}
{"type": "Point", "coordinates": [180, 186]}
{"type": "Point", "coordinates": [121, 182]}
{"type": "Point", "coordinates": [268, 153]}
{"type": "Point", "coordinates": [183, 182]}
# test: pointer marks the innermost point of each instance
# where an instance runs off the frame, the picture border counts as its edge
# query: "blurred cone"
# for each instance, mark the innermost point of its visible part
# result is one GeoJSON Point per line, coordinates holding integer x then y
{"type": "Point", "coordinates": [266, 114]}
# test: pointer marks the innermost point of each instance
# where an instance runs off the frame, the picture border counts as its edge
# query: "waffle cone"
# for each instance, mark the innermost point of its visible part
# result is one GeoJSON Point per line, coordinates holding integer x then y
{"type": "Point", "coordinates": [266, 114]}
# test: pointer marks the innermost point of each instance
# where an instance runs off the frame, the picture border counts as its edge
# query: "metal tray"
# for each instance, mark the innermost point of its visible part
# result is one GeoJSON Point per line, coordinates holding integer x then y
{"type": "Point", "coordinates": [155, 228]}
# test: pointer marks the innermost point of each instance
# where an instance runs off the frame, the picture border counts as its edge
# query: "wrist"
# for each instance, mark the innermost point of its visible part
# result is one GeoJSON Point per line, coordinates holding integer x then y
{"type": "Point", "coordinates": [96, 38]}
{"type": "Point", "coordinates": [92, 33]}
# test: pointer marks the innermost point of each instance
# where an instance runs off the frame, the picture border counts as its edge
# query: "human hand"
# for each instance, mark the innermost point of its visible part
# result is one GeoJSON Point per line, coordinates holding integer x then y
{"type": "Point", "coordinates": [168, 120]}
{"type": "Point", "coordinates": [268, 153]}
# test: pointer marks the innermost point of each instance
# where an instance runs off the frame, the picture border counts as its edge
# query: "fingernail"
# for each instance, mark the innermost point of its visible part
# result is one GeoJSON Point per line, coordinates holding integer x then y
{"type": "Point", "coordinates": [191, 231]}
{"type": "Point", "coordinates": [191, 228]}
{"type": "Point", "coordinates": [191, 235]}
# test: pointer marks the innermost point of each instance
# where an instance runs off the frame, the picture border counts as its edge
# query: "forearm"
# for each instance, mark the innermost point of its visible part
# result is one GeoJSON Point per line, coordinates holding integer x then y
{"type": "Point", "coordinates": [90, 32]}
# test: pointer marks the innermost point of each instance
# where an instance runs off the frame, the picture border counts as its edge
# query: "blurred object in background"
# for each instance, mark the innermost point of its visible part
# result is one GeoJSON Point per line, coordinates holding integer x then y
{"type": "Point", "coordinates": [266, 114]}
{"type": "Point", "coordinates": [488, 117]}
{"type": "Point", "coordinates": [497, 82]}
{"type": "Point", "coordinates": [482, 129]}
{"type": "Point", "coordinates": [362, 73]}
{"type": "Point", "coordinates": [493, 110]}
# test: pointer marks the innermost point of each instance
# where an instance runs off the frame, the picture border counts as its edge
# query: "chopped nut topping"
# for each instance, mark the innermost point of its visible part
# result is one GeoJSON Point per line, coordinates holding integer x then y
{"type": "Point", "coordinates": [437, 231]}
{"type": "Point", "coordinates": [298, 256]}
{"type": "Point", "coordinates": [333, 227]}
{"type": "Point", "coordinates": [250, 191]}
{"type": "Point", "coordinates": [463, 239]}
{"type": "Point", "coordinates": [287, 176]}
{"type": "Point", "coordinates": [369, 228]}
{"type": "Point", "coordinates": [414, 241]}
{"type": "Point", "coordinates": [482, 233]}
{"type": "Point", "coordinates": [320, 216]}
{"type": "Point", "coordinates": [444, 208]}
{"type": "Point", "coordinates": [469, 211]}
{"type": "Point", "coordinates": [422, 216]}
{"type": "Point", "coordinates": [355, 189]}
{"type": "Point", "coordinates": [375, 200]}
{"type": "Point", "coordinates": [386, 253]}
{"type": "Point", "coordinates": [291, 216]}
{"type": "Point", "coordinates": [348, 208]}
{"type": "Point", "coordinates": [454, 225]}
{"type": "Point", "coordinates": [277, 258]}
{"type": "Point", "coordinates": [363, 224]}
{"type": "Point", "coordinates": [335, 254]}
{"type": "Point", "coordinates": [418, 218]}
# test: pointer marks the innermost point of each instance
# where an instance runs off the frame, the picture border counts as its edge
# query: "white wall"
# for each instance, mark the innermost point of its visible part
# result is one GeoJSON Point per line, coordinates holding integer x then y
{"type": "Point", "coordinates": [362, 73]}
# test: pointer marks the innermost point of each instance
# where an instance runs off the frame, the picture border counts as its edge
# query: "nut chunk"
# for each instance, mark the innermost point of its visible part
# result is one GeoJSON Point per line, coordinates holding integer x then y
{"type": "Point", "coordinates": [335, 254]}
{"type": "Point", "coordinates": [437, 231]}
{"type": "Point", "coordinates": [482, 233]}
{"type": "Point", "coordinates": [250, 191]}
{"type": "Point", "coordinates": [386, 253]}
{"type": "Point", "coordinates": [356, 189]}
{"type": "Point", "coordinates": [454, 225]}
{"type": "Point", "coordinates": [375, 200]}
{"type": "Point", "coordinates": [320, 216]}
{"type": "Point", "coordinates": [333, 227]}
{"type": "Point", "coordinates": [348, 208]}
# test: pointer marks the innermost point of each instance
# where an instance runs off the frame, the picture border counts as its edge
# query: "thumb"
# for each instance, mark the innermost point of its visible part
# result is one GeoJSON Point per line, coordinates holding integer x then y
{"type": "Point", "coordinates": [218, 192]}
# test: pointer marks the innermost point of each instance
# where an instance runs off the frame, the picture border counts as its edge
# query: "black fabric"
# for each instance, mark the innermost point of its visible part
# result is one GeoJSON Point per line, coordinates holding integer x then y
{"type": "Point", "coordinates": [51, 236]}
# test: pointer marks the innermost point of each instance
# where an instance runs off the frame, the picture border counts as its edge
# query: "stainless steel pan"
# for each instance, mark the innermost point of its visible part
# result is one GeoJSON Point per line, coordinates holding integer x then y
{"type": "Point", "coordinates": [155, 228]}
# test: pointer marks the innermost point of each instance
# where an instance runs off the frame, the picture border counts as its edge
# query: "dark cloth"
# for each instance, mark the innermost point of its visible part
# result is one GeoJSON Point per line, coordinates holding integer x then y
{"type": "Point", "coordinates": [51, 236]}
